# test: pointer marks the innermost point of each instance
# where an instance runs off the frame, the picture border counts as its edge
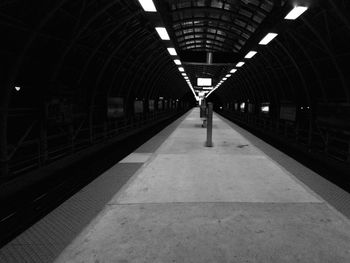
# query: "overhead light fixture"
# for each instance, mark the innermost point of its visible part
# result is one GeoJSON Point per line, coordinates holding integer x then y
{"type": "Point", "coordinates": [251, 54]}
{"type": "Point", "coordinates": [224, 79]}
{"type": "Point", "coordinates": [296, 12]}
{"type": "Point", "coordinates": [240, 64]}
{"type": "Point", "coordinates": [267, 38]}
{"type": "Point", "coordinates": [228, 75]}
{"type": "Point", "coordinates": [148, 5]}
{"type": "Point", "coordinates": [208, 88]}
{"type": "Point", "coordinates": [172, 51]}
{"type": "Point", "coordinates": [177, 61]}
{"type": "Point", "coordinates": [233, 70]}
{"type": "Point", "coordinates": [181, 69]}
{"type": "Point", "coordinates": [17, 88]}
{"type": "Point", "coordinates": [163, 34]}
{"type": "Point", "coordinates": [183, 74]}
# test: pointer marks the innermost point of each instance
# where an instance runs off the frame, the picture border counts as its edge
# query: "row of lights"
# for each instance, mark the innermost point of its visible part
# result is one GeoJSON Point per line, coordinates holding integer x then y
{"type": "Point", "coordinates": [148, 6]}
{"type": "Point", "coordinates": [292, 15]}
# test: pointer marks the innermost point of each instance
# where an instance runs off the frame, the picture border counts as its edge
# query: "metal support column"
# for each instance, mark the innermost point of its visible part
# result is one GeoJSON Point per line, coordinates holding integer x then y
{"type": "Point", "coordinates": [210, 125]}
{"type": "Point", "coordinates": [43, 145]}
{"type": "Point", "coordinates": [4, 167]}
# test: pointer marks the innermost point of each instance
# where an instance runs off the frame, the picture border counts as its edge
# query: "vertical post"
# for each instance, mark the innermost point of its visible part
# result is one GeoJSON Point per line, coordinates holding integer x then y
{"type": "Point", "coordinates": [43, 146]}
{"type": "Point", "coordinates": [4, 168]}
{"type": "Point", "coordinates": [210, 125]}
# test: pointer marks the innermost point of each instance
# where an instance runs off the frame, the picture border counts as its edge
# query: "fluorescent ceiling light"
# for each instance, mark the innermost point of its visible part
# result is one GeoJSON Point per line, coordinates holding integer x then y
{"type": "Point", "coordinates": [240, 64]}
{"type": "Point", "coordinates": [172, 51]}
{"type": "Point", "coordinates": [233, 70]}
{"type": "Point", "coordinates": [228, 75]}
{"type": "Point", "coordinates": [183, 74]}
{"type": "Point", "coordinates": [250, 54]}
{"type": "Point", "coordinates": [181, 69]}
{"type": "Point", "coordinates": [267, 38]}
{"type": "Point", "coordinates": [204, 82]}
{"type": "Point", "coordinates": [177, 61]}
{"type": "Point", "coordinates": [224, 79]}
{"type": "Point", "coordinates": [208, 88]}
{"type": "Point", "coordinates": [148, 5]}
{"type": "Point", "coordinates": [162, 33]}
{"type": "Point", "coordinates": [17, 88]}
{"type": "Point", "coordinates": [296, 12]}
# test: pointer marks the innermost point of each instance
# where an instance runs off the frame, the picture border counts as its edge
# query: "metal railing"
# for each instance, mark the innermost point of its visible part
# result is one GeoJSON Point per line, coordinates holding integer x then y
{"type": "Point", "coordinates": [30, 155]}
{"type": "Point", "coordinates": [332, 143]}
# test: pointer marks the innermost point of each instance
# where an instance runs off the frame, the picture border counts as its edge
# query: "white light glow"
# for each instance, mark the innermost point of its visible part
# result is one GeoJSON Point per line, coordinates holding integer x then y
{"type": "Point", "coordinates": [240, 64]}
{"type": "Point", "coordinates": [172, 51]}
{"type": "Point", "coordinates": [228, 75]}
{"type": "Point", "coordinates": [148, 5]}
{"type": "Point", "coordinates": [224, 79]}
{"type": "Point", "coordinates": [208, 88]}
{"type": "Point", "coordinates": [183, 74]}
{"type": "Point", "coordinates": [268, 38]}
{"type": "Point", "coordinates": [251, 54]}
{"type": "Point", "coordinates": [177, 61]}
{"type": "Point", "coordinates": [265, 109]}
{"type": "Point", "coordinates": [233, 70]}
{"type": "Point", "coordinates": [204, 81]}
{"type": "Point", "coordinates": [181, 69]}
{"type": "Point", "coordinates": [163, 34]}
{"type": "Point", "coordinates": [296, 12]}
{"type": "Point", "coordinates": [17, 88]}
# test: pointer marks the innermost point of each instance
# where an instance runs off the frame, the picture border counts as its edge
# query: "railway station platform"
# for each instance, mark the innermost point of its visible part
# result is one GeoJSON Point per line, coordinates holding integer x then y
{"type": "Point", "coordinates": [241, 200]}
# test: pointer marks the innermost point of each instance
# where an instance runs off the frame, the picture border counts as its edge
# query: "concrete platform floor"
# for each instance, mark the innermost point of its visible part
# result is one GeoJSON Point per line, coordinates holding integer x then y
{"type": "Point", "coordinates": [229, 203]}
{"type": "Point", "coordinates": [239, 201]}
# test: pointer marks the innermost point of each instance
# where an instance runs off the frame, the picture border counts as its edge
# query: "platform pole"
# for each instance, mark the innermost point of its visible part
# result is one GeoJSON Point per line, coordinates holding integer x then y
{"type": "Point", "coordinates": [210, 125]}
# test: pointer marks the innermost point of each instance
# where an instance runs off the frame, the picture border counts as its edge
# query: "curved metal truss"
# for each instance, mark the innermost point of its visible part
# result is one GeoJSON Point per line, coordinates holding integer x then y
{"type": "Point", "coordinates": [232, 22]}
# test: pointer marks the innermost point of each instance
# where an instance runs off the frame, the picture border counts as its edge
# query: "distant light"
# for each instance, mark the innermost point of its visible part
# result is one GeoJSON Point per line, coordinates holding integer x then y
{"type": "Point", "coordinates": [268, 38]}
{"type": "Point", "coordinates": [204, 81]}
{"type": "Point", "coordinates": [240, 64]}
{"type": "Point", "coordinates": [220, 108]}
{"type": "Point", "coordinates": [228, 75]}
{"type": "Point", "coordinates": [17, 88]}
{"type": "Point", "coordinates": [242, 106]}
{"type": "Point", "coordinates": [183, 74]}
{"type": "Point", "coordinates": [162, 33]}
{"type": "Point", "coordinates": [181, 69]}
{"type": "Point", "coordinates": [265, 109]}
{"type": "Point", "coordinates": [208, 88]}
{"type": "Point", "coordinates": [224, 78]}
{"type": "Point", "coordinates": [296, 12]}
{"type": "Point", "coordinates": [172, 51]}
{"type": "Point", "coordinates": [233, 70]}
{"type": "Point", "coordinates": [251, 54]}
{"type": "Point", "coordinates": [177, 61]}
